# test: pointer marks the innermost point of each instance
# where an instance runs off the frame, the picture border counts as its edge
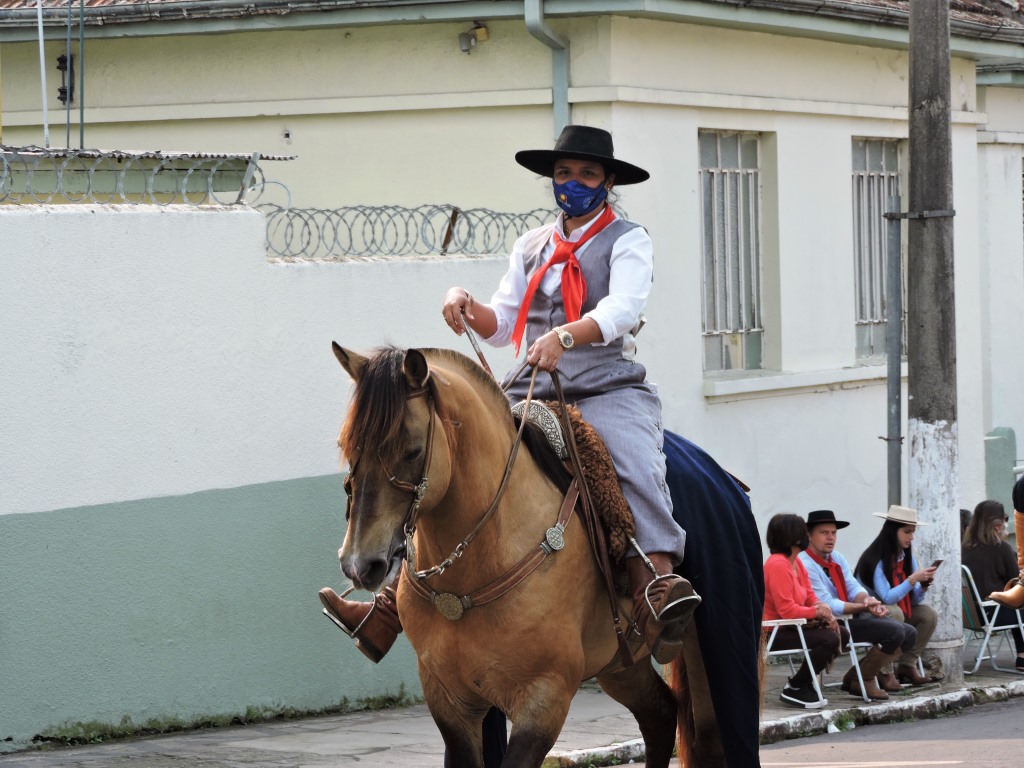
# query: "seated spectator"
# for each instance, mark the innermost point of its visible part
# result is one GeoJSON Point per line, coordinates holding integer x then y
{"type": "Point", "coordinates": [833, 582]}
{"type": "Point", "coordinates": [992, 562]}
{"type": "Point", "coordinates": [889, 566]}
{"type": "Point", "coordinates": [788, 595]}
{"type": "Point", "coordinates": [1013, 596]}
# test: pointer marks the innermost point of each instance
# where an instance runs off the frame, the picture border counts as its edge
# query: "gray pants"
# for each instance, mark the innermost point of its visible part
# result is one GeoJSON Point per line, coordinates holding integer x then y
{"type": "Point", "coordinates": [628, 419]}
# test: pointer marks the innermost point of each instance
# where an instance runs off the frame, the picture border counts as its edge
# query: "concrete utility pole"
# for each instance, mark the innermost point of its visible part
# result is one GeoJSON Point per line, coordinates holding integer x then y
{"type": "Point", "coordinates": [931, 333]}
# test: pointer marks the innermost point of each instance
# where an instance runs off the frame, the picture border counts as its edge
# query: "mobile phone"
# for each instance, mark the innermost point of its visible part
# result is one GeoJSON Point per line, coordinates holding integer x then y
{"type": "Point", "coordinates": [936, 564]}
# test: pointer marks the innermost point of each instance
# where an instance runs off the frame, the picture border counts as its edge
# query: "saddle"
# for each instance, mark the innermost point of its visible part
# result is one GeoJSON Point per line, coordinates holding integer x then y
{"type": "Point", "coordinates": [599, 472]}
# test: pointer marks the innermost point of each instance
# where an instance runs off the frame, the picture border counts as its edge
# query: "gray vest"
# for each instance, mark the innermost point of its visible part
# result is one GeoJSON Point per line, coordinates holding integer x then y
{"type": "Point", "coordinates": [546, 312]}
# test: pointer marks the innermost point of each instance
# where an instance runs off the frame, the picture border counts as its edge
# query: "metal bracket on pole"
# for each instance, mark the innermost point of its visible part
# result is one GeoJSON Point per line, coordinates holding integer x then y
{"type": "Point", "coordinates": [920, 214]}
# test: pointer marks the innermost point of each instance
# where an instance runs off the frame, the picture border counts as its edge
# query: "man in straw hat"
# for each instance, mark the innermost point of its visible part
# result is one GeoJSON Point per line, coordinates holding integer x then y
{"type": "Point", "coordinates": [833, 582]}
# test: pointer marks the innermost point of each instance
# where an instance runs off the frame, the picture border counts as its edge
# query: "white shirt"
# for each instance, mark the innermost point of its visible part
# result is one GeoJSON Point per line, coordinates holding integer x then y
{"type": "Point", "coordinates": [629, 284]}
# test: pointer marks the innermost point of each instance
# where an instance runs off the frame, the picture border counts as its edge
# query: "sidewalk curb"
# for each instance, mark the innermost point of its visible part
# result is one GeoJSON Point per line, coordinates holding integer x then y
{"type": "Point", "coordinates": [813, 724]}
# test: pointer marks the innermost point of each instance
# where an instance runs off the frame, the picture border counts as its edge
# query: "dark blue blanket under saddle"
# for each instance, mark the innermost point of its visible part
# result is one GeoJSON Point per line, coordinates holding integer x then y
{"type": "Point", "coordinates": [723, 562]}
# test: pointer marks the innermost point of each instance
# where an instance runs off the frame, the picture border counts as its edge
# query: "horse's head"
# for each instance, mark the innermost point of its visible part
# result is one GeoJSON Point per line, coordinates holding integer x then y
{"type": "Point", "coordinates": [395, 440]}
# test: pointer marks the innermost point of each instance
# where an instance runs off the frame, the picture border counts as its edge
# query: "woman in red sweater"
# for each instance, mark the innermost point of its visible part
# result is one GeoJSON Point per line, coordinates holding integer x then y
{"type": "Point", "coordinates": [788, 595]}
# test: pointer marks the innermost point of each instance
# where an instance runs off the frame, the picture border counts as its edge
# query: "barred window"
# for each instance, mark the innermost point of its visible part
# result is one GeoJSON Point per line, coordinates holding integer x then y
{"type": "Point", "coordinates": [730, 185]}
{"type": "Point", "coordinates": [876, 177]}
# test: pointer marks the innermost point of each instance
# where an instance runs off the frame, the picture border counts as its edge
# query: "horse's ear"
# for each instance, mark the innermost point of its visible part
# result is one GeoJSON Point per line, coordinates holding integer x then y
{"type": "Point", "coordinates": [352, 362]}
{"type": "Point", "coordinates": [416, 369]}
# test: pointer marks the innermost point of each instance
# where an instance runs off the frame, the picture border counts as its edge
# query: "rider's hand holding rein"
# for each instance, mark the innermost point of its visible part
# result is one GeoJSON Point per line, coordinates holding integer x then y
{"type": "Point", "coordinates": [461, 309]}
{"type": "Point", "coordinates": [546, 352]}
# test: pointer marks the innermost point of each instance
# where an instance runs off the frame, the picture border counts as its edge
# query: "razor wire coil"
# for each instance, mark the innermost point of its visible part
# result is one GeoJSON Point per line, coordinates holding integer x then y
{"type": "Point", "coordinates": [52, 176]}
{"type": "Point", "coordinates": [373, 233]}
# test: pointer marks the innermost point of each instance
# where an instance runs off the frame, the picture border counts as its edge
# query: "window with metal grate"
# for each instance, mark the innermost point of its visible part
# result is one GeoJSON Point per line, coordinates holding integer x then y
{"type": "Point", "coordinates": [876, 177]}
{"type": "Point", "coordinates": [730, 198]}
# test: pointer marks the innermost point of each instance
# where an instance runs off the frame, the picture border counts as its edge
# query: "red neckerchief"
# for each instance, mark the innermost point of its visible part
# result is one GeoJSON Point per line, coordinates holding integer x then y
{"type": "Point", "coordinates": [898, 577]}
{"type": "Point", "coordinates": [574, 286]}
{"type": "Point", "coordinates": [834, 571]}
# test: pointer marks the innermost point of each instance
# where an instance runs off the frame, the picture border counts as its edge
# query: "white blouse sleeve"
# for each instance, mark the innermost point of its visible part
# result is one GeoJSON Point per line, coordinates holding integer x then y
{"type": "Point", "coordinates": [509, 296]}
{"type": "Point", "coordinates": [629, 285]}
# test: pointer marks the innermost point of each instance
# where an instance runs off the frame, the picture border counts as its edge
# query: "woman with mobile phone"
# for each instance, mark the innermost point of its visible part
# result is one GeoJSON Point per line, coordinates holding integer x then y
{"type": "Point", "coordinates": [992, 561]}
{"type": "Point", "coordinates": [889, 568]}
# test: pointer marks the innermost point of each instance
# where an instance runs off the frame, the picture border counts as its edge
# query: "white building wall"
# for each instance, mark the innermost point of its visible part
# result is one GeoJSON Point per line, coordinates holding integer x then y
{"type": "Point", "coordinates": [1001, 231]}
{"type": "Point", "coordinates": [398, 115]}
{"type": "Point", "coordinates": [155, 352]}
{"type": "Point", "coordinates": [971, 394]}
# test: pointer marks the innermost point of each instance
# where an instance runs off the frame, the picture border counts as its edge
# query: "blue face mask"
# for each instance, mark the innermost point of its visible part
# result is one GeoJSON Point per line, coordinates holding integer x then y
{"type": "Point", "coordinates": [578, 199]}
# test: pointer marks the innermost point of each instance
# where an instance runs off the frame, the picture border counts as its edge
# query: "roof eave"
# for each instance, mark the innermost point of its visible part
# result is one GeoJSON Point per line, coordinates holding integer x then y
{"type": "Point", "coordinates": [833, 20]}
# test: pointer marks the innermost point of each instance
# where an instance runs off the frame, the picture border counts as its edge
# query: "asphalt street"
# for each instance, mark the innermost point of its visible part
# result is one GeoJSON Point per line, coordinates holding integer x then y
{"type": "Point", "coordinates": [981, 737]}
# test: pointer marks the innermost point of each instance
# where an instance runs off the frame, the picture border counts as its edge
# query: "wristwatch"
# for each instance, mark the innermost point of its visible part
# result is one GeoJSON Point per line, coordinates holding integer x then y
{"type": "Point", "coordinates": [564, 337]}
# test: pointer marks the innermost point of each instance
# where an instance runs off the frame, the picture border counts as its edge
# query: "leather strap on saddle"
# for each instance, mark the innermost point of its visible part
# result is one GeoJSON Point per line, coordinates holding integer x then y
{"type": "Point", "coordinates": [592, 525]}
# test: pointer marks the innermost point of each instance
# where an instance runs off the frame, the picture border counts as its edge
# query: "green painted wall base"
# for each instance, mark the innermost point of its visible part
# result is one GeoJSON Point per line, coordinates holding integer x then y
{"type": "Point", "coordinates": [179, 609]}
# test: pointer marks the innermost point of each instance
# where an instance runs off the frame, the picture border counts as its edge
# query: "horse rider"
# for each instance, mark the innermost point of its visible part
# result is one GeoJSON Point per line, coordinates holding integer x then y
{"type": "Point", "coordinates": [574, 292]}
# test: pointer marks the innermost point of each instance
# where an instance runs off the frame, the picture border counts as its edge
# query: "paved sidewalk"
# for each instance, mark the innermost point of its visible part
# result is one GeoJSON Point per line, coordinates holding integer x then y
{"type": "Point", "coordinates": [597, 727]}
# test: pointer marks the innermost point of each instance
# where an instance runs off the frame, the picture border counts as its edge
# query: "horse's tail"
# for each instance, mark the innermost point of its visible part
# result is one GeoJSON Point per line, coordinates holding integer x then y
{"type": "Point", "coordinates": [686, 730]}
{"type": "Point", "coordinates": [697, 727]}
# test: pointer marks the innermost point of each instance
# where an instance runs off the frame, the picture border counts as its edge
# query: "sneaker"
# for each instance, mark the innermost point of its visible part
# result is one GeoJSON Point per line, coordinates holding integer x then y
{"type": "Point", "coordinates": [805, 698]}
{"type": "Point", "coordinates": [1019, 663]}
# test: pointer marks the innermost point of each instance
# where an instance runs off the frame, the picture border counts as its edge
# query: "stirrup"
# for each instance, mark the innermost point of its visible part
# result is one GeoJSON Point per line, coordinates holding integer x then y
{"type": "Point", "coordinates": [353, 633]}
{"type": "Point", "coordinates": [683, 606]}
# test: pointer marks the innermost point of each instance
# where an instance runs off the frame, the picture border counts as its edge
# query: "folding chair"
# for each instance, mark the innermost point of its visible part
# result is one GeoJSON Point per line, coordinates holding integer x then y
{"type": "Point", "coordinates": [854, 660]}
{"type": "Point", "coordinates": [978, 622]}
{"type": "Point", "coordinates": [773, 625]}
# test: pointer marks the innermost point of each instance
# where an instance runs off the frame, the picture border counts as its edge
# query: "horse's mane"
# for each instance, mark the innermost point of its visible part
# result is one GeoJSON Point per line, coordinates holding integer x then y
{"type": "Point", "coordinates": [377, 409]}
{"type": "Point", "coordinates": [472, 369]}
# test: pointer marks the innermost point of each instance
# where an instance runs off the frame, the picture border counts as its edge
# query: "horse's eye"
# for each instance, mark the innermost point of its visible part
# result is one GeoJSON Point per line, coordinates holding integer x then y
{"type": "Point", "coordinates": [412, 454]}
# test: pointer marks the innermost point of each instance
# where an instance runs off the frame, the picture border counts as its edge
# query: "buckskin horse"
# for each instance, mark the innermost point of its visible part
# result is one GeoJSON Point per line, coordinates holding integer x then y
{"type": "Point", "coordinates": [439, 494]}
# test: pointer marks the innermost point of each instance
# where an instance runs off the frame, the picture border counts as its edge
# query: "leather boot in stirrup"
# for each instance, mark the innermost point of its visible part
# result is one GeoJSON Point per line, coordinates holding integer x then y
{"type": "Point", "coordinates": [663, 605]}
{"type": "Point", "coordinates": [374, 625]}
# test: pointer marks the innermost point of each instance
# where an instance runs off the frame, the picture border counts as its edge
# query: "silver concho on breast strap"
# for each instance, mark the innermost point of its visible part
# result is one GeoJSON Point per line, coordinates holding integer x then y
{"type": "Point", "coordinates": [544, 418]}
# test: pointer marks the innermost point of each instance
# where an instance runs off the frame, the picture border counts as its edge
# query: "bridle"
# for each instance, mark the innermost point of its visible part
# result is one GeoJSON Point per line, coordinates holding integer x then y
{"type": "Point", "coordinates": [419, 490]}
{"type": "Point", "coordinates": [449, 605]}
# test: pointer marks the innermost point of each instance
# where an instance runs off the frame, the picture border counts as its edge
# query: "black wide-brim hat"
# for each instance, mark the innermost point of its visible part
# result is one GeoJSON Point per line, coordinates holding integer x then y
{"type": "Point", "coordinates": [582, 142]}
{"type": "Point", "coordinates": [824, 516]}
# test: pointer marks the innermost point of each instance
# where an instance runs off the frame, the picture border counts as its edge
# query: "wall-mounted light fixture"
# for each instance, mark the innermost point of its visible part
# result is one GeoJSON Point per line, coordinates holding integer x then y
{"type": "Point", "coordinates": [478, 33]}
{"type": "Point", "coordinates": [66, 67]}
